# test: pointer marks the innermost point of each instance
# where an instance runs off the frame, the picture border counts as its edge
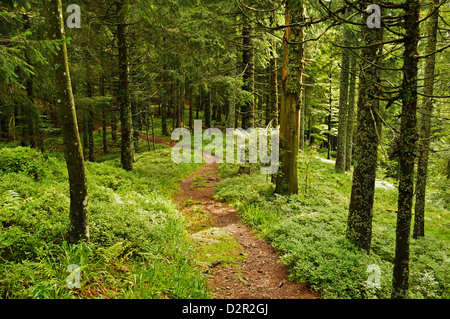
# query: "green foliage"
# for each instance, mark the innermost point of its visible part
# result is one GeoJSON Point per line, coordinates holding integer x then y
{"type": "Point", "coordinates": [309, 230]}
{"type": "Point", "coordinates": [21, 159]}
{"type": "Point", "coordinates": [138, 245]}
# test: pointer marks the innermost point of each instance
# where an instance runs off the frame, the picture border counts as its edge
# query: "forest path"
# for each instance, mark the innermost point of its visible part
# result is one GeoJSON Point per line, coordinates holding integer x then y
{"type": "Point", "coordinates": [239, 264]}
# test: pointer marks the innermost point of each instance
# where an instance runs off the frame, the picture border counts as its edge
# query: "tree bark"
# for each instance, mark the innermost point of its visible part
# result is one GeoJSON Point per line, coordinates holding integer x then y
{"type": "Point", "coordinates": [126, 128]}
{"type": "Point", "coordinates": [351, 114]}
{"type": "Point", "coordinates": [407, 143]}
{"type": "Point", "coordinates": [90, 123]}
{"type": "Point", "coordinates": [249, 74]}
{"type": "Point", "coordinates": [291, 98]}
{"type": "Point", "coordinates": [208, 110]}
{"type": "Point", "coordinates": [273, 95]}
{"type": "Point", "coordinates": [78, 215]}
{"type": "Point", "coordinates": [359, 223]}
{"type": "Point", "coordinates": [425, 128]}
{"type": "Point", "coordinates": [343, 103]}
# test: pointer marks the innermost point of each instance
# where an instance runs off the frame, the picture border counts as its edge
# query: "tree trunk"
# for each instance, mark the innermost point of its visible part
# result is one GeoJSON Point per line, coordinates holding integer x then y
{"type": "Point", "coordinates": [425, 128]}
{"type": "Point", "coordinates": [114, 124]}
{"type": "Point", "coordinates": [191, 110]}
{"type": "Point", "coordinates": [126, 128]}
{"type": "Point", "coordinates": [90, 124]}
{"type": "Point", "coordinates": [407, 143]}
{"type": "Point", "coordinates": [291, 99]}
{"type": "Point", "coordinates": [85, 134]}
{"type": "Point", "coordinates": [78, 216]}
{"type": "Point", "coordinates": [330, 109]}
{"type": "Point", "coordinates": [91, 133]}
{"type": "Point", "coordinates": [164, 116]}
{"type": "Point", "coordinates": [359, 223]}
{"type": "Point", "coordinates": [249, 74]}
{"type": "Point", "coordinates": [302, 120]}
{"type": "Point", "coordinates": [104, 117]}
{"type": "Point", "coordinates": [231, 108]}
{"type": "Point", "coordinates": [343, 103]}
{"type": "Point", "coordinates": [351, 114]}
{"type": "Point", "coordinates": [208, 110]}
{"type": "Point", "coordinates": [273, 95]}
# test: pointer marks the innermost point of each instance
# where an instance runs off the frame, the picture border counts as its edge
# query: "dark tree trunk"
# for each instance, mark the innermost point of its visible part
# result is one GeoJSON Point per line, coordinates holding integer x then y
{"type": "Point", "coordinates": [192, 102]}
{"type": "Point", "coordinates": [359, 224]}
{"type": "Point", "coordinates": [164, 115]}
{"type": "Point", "coordinates": [126, 128]}
{"type": "Point", "coordinates": [91, 133]}
{"type": "Point", "coordinates": [208, 111]}
{"type": "Point", "coordinates": [90, 123]}
{"type": "Point", "coordinates": [407, 149]}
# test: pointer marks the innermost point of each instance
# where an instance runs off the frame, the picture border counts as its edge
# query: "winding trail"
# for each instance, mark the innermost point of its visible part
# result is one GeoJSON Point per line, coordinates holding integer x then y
{"type": "Point", "coordinates": [259, 274]}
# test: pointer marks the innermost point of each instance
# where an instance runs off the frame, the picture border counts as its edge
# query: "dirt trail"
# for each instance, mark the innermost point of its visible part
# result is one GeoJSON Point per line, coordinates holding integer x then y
{"type": "Point", "coordinates": [259, 275]}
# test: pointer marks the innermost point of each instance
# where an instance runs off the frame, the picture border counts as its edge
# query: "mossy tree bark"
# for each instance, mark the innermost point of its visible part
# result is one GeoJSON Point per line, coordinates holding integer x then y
{"type": "Point", "coordinates": [359, 223]}
{"type": "Point", "coordinates": [78, 216]}
{"type": "Point", "coordinates": [407, 150]}
{"type": "Point", "coordinates": [126, 128]}
{"type": "Point", "coordinates": [291, 98]}
{"type": "Point", "coordinates": [425, 126]}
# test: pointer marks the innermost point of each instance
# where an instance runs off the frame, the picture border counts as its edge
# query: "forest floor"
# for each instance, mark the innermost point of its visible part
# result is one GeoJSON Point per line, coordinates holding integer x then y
{"type": "Point", "coordinates": [255, 271]}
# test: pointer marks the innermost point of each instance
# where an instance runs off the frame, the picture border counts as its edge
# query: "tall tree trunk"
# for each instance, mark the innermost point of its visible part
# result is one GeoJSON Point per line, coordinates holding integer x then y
{"type": "Point", "coordinates": [135, 111]}
{"type": "Point", "coordinates": [126, 128]}
{"type": "Point", "coordinates": [85, 117]}
{"type": "Point", "coordinates": [91, 133]}
{"type": "Point", "coordinates": [90, 123]}
{"type": "Point", "coordinates": [249, 73]}
{"type": "Point", "coordinates": [164, 106]}
{"type": "Point", "coordinates": [208, 110]}
{"type": "Point", "coordinates": [407, 143]}
{"type": "Point", "coordinates": [231, 108]}
{"type": "Point", "coordinates": [425, 128]}
{"type": "Point", "coordinates": [104, 123]}
{"type": "Point", "coordinates": [291, 98]}
{"type": "Point", "coordinates": [274, 86]}
{"type": "Point", "coordinates": [330, 110]}
{"type": "Point", "coordinates": [114, 123]}
{"type": "Point", "coordinates": [302, 120]}
{"type": "Point", "coordinates": [192, 102]}
{"type": "Point", "coordinates": [359, 223]}
{"type": "Point", "coordinates": [351, 114]}
{"type": "Point", "coordinates": [273, 95]}
{"type": "Point", "coordinates": [343, 102]}
{"type": "Point", "coordinates": [78, 216]}
{"type": "Point", "coordinates": [32, 116]}
{"type": "Point", "coordinates": [104, 130]}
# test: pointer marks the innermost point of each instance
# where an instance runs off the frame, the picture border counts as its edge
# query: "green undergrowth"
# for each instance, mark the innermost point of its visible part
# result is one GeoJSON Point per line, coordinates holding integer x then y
{"type": "Point", "coordinates": [309, 230]}
{"type": "Point", "coordinates": [139, 246]}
